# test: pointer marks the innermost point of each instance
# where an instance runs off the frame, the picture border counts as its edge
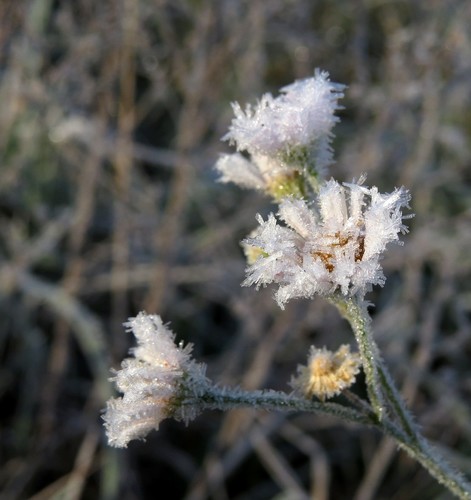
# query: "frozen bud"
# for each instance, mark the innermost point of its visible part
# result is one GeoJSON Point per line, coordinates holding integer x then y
{"type": "Point", "coordinates": [333, 246]}
{"type": "Point", "coordinates": [161, 380]}
{"type": "Point", "coordinates": [327, 373]}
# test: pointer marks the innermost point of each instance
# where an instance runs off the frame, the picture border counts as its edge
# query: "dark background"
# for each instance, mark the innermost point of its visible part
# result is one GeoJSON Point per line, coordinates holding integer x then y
{"type": "Point", "coordinates": [110, 118]}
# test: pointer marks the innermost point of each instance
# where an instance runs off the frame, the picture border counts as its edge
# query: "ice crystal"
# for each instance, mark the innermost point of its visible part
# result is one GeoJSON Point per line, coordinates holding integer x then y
{"type": "Point", "coordinates": [332, 246]}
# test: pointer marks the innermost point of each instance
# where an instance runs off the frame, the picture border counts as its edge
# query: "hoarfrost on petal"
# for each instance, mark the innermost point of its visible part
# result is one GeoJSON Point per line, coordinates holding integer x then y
{"type": "Point", "coordinates": [153, 382]}
{"type": "Point", "coordinates": [335, 246]}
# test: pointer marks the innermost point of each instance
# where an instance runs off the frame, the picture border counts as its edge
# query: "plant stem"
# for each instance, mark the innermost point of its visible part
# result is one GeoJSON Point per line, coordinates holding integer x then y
{"type": "Point", "coordinates": [223, 398]}
{"type": "Point", "coordinates": [359, 320]}
{"type": "Point", "coordinates": [384, 394]}
{"type": "Point", "coordinates": [430, 459]}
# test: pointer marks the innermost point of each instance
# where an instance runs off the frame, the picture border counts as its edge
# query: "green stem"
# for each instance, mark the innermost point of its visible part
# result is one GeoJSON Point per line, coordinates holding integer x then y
{"type": "Point", "coordinates": [430, 459]}
{"type": "Point", "coordinates": [418, 448]}
{"type": "Point", "coordinates": [380, 384]}
{"type": "Point", "coordinates": [395, 399]}
{"type": "Point", "coordinates": [226, 398]}
{"type": "Point", "coordinates": [359, 320]}
{"type": "Point", "coordinates": [222, 398]}
{"type": "Point", "coordinates": [381, 390]}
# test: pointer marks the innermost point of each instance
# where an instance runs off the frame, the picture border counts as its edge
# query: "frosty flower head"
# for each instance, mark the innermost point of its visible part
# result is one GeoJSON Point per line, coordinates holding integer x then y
{"type": "Point", "coordinates": [287, 137]}
{"type": "Point", "coordinates": [332, 247]}
{"type": "Point", "coordinates": [156, 382]}
{"type": "Point", "coordinates": [301, 115]}
{"type": "Point", "coordinates": [327, 373]}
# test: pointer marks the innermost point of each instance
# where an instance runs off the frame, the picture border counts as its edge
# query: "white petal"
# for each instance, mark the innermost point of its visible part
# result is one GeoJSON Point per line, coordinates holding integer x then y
{"type": "Point", "coordinates": [237, 169]}
{"type": "Point", "coordinates": [299, 217]}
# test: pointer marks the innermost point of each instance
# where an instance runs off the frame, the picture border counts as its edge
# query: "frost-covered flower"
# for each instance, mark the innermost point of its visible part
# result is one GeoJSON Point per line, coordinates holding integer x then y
{"type": "Point", "coordinates": [333, 246]}
{"type": "Point", "coordinates": [156, 382]}
{"type": "Point", "coordinates": [286, 136]}
{"type": "Point", "coordinates": [327, 373]}
{"type": "Point", "coordinates": [302, 114]}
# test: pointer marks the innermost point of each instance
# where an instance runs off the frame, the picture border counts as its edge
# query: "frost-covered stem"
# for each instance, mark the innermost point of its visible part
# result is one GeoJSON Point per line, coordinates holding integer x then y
{"type": "Point", "coordinates": [222, 398]}
{"type": "Point", "coordinates": [358, 317]}
{"type": "Point", "coordinates": [381, 388]}
{"type": "Point", "coordinates": [359, 320]}
{"type": "Point", "coordinates": [395, 399]}
{"type": "Point", "coordinates": [430, 459]}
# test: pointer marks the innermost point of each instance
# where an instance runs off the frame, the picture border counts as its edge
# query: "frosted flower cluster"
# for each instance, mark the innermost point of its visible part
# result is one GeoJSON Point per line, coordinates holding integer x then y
{"type": "Point", "coordinates": [154, 382]}
{"type": "Point", "coordinates": [300, 115]}
{"type": "Point", "coordinates": [287, 137]}
{"type": "Point", "coordinates": [331, 246]}
{"type": "Point", "coordinates": [327, 373]}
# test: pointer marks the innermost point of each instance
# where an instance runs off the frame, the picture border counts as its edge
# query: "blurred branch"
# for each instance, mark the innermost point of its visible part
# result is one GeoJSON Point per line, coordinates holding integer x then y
{"type": "Point", "coordinates": [86, 327]}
